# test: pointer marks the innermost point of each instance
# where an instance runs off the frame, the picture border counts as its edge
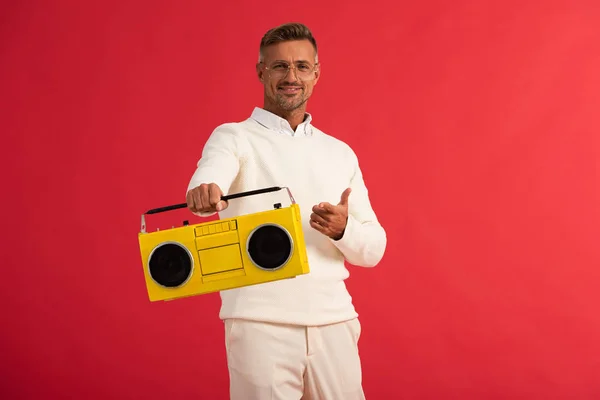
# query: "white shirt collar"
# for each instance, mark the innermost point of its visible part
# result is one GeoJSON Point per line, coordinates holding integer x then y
{"type": "Point", "coordinates": [280, 125]}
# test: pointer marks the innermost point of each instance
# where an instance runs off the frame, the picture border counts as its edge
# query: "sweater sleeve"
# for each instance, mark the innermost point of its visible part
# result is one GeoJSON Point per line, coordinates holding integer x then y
{"type": "Point", "coordinates": [364, 240]}
{"type": "Point", "coordinates": [219, 162]}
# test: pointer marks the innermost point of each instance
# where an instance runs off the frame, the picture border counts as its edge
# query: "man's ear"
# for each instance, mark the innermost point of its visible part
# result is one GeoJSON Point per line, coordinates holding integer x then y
{"type": "Point", "coordinates": [260, 72]}
{"type": "Point", "coordinates": [317, 74]}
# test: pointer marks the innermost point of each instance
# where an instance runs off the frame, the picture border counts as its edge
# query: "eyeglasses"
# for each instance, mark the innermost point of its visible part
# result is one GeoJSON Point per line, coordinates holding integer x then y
{"type": "Point", "coordinates": [303, 71]}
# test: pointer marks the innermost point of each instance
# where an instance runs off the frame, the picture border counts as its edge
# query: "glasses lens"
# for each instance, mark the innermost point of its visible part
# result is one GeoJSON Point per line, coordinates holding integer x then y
{"type": "Point", "coordinates": [302, 72]}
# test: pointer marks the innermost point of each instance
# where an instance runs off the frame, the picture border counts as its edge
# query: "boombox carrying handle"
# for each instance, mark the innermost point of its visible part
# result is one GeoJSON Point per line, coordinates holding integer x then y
{"type": "Point", "coordinates": [225, 198]}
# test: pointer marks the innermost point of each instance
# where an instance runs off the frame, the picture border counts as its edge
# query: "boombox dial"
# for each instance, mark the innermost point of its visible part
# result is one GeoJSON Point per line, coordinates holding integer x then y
{"type": "Point", "coordinates": [269, 247]}
{"type": "Point", "coordinates": [170, 264]}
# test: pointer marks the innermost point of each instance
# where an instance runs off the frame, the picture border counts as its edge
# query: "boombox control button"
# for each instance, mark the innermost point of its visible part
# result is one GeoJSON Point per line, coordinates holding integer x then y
{"type": "Point", "coordinates": [277, 206]}
{"type": "Point", "coordinates": [186, 223]}
{"type": "Point", "coordinates": [216, 227]}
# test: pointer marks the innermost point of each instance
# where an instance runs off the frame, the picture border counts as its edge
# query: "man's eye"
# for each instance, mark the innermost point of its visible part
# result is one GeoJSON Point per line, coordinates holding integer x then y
{"type": "Point", "coordinates": [279, 66]}
{"type": "Point", "coordinates": [303, 67]}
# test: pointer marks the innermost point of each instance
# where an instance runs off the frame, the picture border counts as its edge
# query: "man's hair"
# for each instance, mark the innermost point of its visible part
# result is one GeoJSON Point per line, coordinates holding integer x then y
{"type": "Point", "coordinates": [284, 33]}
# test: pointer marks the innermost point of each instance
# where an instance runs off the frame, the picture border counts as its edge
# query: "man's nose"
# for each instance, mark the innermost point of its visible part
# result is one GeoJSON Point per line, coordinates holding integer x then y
{"type": "Point", "coordinates": [290, 76]}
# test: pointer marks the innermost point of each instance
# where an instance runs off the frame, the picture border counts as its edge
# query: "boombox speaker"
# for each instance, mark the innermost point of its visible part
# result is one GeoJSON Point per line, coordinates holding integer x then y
{"type": "Point", "coordinates": [208, 257]}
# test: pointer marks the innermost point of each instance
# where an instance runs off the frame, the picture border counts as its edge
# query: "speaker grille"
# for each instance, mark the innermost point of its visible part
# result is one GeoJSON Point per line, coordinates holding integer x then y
{"type": "Point", "coordinates": [269, 247]}
{"type": "Point", "coordinates": [170, 265]}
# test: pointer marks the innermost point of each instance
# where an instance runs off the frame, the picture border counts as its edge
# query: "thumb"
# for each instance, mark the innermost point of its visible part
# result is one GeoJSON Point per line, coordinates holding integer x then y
{"type": "Point", "coordinates": [221, 205]}
{"type": "Point", "coordinates": [344, 199]}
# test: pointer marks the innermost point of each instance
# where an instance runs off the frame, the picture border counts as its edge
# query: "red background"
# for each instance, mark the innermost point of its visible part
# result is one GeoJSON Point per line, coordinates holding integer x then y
{"type": "Point", "coordinates": [485, 115]}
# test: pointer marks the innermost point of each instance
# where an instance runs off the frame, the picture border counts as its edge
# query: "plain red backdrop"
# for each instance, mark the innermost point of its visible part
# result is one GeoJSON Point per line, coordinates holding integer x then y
{"type": "Point", "coordinates": [477, 127]}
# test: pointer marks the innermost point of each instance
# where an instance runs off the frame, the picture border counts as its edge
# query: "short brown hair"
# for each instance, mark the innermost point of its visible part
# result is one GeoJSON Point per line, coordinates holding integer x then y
{"type": "Point", "coordinates": [287, 32]}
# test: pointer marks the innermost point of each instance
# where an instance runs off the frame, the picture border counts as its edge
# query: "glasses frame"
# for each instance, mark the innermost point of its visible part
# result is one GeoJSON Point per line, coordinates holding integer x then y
{"type": "Point", "coordinates": [313, 71]}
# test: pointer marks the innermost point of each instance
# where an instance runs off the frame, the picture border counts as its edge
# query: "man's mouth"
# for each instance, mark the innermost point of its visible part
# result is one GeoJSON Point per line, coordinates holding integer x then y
{"type": "Point", "coordinates": [289, 89]}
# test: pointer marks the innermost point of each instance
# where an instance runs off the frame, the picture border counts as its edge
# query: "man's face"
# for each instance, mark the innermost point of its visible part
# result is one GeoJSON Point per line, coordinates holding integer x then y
{"type": "Point", "coordinates": [288, 92]}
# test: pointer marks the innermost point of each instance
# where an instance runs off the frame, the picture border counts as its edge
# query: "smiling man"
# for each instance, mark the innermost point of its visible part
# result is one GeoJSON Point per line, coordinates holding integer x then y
{"type": "Point", "coordinates": [296, 338]}
{"type": "Point", "coordinates": [286, 93]}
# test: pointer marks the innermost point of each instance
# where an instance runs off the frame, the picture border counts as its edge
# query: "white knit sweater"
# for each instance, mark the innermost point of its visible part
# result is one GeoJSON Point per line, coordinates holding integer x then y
{"type": "Point", "coordinates": [263, 151]}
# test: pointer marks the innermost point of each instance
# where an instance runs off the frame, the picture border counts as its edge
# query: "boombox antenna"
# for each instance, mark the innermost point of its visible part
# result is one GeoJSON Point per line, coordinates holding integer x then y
{"type": "Point", "coordinates": [225, 198]}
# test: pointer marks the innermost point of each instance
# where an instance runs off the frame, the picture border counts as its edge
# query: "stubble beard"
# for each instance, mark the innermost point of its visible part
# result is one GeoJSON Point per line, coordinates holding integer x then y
{"type": "Point", "coordinates": [290, 104]}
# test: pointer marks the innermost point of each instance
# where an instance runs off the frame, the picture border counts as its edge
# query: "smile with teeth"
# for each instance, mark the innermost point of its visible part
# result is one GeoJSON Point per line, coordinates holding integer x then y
{"type": "Point", "coordinates": [290, 89]}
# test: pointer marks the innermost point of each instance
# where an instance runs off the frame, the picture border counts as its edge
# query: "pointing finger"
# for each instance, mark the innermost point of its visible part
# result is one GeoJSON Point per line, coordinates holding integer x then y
{"type": "Point", "coordinates": [344, 198]}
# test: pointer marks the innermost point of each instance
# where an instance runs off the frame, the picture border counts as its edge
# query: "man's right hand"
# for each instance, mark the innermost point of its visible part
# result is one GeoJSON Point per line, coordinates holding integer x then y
{"type": "Point", "coordinates": [206, 198]}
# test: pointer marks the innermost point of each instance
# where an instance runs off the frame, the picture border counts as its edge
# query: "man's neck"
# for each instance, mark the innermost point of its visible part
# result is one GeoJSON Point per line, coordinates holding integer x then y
{"type": "Point", "coordinates": [294, 117]}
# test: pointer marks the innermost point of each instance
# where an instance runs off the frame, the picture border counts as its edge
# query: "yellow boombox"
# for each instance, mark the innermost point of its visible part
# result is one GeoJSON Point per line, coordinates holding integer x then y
{"type": "Point", "coordinates": [224, 254]}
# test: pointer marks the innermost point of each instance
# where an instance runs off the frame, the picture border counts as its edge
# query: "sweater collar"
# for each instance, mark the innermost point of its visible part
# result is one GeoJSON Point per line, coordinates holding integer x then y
{"type": "Point", "coordinates": [280, 125]}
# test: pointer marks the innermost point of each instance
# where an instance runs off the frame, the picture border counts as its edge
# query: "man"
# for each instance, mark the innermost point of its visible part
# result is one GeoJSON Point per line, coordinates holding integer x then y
{"type": "Point", "coordinates": [295, 338]}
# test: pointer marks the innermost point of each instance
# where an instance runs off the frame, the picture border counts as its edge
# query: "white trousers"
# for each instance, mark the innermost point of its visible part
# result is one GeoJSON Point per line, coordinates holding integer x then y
{"type": "Point", "coordinates": [284, 362]}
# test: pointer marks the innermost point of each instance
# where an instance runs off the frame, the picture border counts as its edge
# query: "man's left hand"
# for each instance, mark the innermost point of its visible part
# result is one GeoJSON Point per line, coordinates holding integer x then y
{"type": "Point", "coordinates": [331, 220]}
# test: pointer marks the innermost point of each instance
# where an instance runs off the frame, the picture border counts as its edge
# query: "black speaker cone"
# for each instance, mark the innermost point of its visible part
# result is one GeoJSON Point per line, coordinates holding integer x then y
{"type": "Point", "coordinates": [170, 265]}
{"type": "Point", "coordinates": [269, 247]}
